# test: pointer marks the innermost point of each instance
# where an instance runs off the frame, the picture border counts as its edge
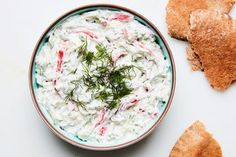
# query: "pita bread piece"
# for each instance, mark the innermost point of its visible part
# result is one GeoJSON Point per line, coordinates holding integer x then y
{"type": "Point", "coordinates": [178, 12]}
{"type": "Point", "coordinates": [196, 142]}
{"type": "Point", "coordinates": [193, 59]}
{"type": "Point", "coordinates": [213, 40]}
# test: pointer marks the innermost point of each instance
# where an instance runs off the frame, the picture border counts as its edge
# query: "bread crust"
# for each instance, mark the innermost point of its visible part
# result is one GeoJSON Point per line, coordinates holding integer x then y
{"type": "Point", "coordinates": [193, 59]}
{"type": "Point", "coordinates": [178, 11]}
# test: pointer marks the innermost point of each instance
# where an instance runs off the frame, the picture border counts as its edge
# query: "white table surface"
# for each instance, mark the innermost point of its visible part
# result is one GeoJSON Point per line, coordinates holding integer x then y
{"type": "Point", "coordinates": [24, 134]}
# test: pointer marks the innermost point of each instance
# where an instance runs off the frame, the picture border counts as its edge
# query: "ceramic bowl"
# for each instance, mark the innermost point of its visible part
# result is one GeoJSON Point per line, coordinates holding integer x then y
{"type": "Point", "coordinates": [33, 86]}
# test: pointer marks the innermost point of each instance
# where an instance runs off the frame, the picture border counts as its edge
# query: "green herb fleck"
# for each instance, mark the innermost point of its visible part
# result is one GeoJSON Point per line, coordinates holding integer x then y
{"type": "Point", "coordinates": [82, 50]}
{"type": "Point", "coordinates": [88, 57]}
{"type": "Point", "coordinates": [93, 19]}
{"type": "Point", "coordinates": [72, 97]}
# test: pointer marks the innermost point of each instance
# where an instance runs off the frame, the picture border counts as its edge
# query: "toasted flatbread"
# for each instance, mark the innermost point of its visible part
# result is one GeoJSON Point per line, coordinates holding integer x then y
{"type": "Point", "coordinates": [178, 12]}
{"type": "Point", "coordinates": [213, 40]}
{"type": "Point", "coordinates": [193, 59]}
{"type": "Point", "coordinates": [196, 142]}
{"type": "Point", "coordinates": [213, 149]}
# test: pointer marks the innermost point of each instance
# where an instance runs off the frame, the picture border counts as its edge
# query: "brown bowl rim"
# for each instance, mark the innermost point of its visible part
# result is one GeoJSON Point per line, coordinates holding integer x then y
{"type": "Point", "coordinates": [63, 137]}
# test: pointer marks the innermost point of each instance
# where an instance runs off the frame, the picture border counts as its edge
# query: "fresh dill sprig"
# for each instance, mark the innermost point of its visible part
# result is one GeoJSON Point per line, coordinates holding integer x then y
{"type": "Point", "coordinates": [82, 50]}
{"type": "Point", "coordinates": [103, 55]}
{"type": "Point", "coordinates": [107, 81]}
{"type": "Point", "coordinates": [88, 57]}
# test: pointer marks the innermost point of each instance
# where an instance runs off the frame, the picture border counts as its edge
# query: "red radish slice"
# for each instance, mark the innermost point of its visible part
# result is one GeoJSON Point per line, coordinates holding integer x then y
{"type": "Point", "coordinates": [121, 17]}
{"type": "Point", "coordinates": [118, 56]}
{"type": "Point", "coordinates": [102, 119]}
{"type": "Point", "coordinates": [102, 131]}
{"type": "Point", "coordinates": [60, 56]}
{"type": "Point", "coordinates": [144, 47]}
{"type": "Point", "coordinates": [60, 60]}
{"type": "Point", "coordinates": [132, 103]}
{"type": "Point", "coordinates": [86, 32]}
{"type": "Point", "coordinates": [125, 32]}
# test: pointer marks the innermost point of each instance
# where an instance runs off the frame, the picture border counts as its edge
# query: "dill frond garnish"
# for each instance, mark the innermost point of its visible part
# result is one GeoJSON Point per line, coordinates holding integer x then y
{"type": "Point", "coordinates": [100, 75]}
{"type": "Point", "coordinates": [88, 57]}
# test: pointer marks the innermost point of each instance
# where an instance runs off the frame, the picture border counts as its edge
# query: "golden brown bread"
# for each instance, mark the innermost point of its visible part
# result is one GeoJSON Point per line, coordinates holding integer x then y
{"type": "Point", "coordinates": [213, 39]}
{"type": "Point", "coordinates": [178, 12]}
{"type": "Point", "coordinates": [212, 150]}
{"type": "Point", "coordinates": [193, 59]}
{"type": "Point", "coordinates": [196, 142]}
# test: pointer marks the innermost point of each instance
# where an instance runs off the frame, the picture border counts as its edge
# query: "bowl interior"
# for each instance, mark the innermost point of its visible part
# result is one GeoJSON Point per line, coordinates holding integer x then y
{"type": "Point", "coordinates": [43, 111]}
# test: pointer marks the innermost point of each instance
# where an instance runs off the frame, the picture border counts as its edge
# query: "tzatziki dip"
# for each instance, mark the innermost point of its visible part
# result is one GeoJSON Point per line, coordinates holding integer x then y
{"type": "Point", "coordinates": [102, 77]}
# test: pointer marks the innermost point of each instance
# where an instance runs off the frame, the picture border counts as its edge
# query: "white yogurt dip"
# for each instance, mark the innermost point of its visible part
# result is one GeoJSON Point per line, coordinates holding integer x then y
{"type": "Point", "coordinates": [101, 76]}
